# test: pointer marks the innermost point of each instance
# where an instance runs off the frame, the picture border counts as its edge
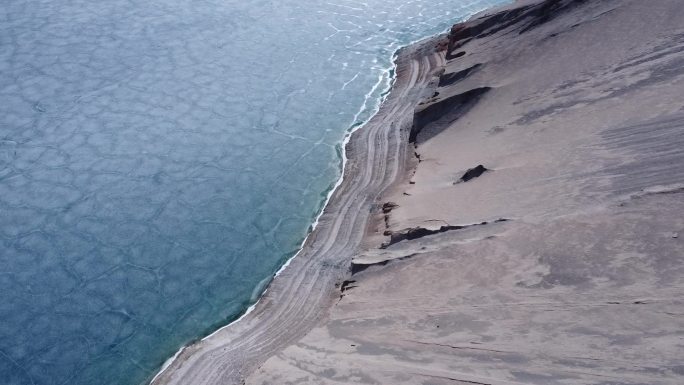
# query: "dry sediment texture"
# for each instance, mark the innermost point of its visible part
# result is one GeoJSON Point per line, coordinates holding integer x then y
{"type": "Point", "coordinates": [567, 301]}
{"type": "Point", "coordinates": [302, 294]}
{"type": "Point", "coordinates": [576, 110]}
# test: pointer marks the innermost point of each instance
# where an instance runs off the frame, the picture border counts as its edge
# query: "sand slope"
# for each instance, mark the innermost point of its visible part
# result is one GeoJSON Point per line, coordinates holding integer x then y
{"type": "Point", "coordinates": [576, 109]}
{"type": "Point", "coordinates": [301, 295]}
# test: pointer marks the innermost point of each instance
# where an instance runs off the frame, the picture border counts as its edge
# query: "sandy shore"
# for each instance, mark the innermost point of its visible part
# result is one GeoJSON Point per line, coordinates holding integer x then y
{"type": "Point", "coordinates": [512, 215]}
{"type": "Point", "coordinates": [301, 296]}
{"type": "Point", "coordinates": [566, 120]}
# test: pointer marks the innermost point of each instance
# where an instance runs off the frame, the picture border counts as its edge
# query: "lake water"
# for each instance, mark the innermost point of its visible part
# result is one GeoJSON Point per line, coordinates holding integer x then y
{"type": "Point", "coordinates": [161, 159]}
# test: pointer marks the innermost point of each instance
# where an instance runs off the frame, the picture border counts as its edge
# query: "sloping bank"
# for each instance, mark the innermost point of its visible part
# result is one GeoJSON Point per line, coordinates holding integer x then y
{"type": "Point", "coordinates": [532, 235]}
{"type": "Point", "coordinates": [302, 294]}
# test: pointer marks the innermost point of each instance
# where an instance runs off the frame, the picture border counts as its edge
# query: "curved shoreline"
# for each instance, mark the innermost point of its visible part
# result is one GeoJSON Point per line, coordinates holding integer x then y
{"type": "Point", "coordinates": [304, 287]}
{"type": "Point", "coordinates": [354, 127]}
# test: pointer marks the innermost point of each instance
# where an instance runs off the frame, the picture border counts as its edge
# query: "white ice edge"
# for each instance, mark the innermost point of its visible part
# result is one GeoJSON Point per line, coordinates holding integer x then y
{"type": "Point", "coordinates": [167, 363]}
{"type": "Point", "coordinates": [345, 141]}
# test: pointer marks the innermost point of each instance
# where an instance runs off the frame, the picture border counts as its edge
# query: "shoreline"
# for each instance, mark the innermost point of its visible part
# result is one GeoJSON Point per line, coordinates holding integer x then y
{"type": "Point", "coordinates": [532, 121]}
{"type": "Point", "coordinates": [345, 141]}
{"type": "Point", "coordinates": [415, 48]}
{"type": "Point", "coordinates": [391, 74]}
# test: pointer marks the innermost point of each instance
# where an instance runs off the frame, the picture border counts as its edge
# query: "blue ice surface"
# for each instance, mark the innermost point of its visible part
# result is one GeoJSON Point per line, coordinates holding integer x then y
{"type": "Point", "coordinates": [160, 158]}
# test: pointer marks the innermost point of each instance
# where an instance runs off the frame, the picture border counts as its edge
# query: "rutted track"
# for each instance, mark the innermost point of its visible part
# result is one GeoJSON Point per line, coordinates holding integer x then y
{"type": "Point", "coordinates": [301, 295]}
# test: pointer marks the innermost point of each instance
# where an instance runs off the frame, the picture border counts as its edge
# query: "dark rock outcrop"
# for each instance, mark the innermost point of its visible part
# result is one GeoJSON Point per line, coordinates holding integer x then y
{"type": "Point", "coordinates": [444, 112]}
{"type": "Point", "coordinates": [388, 206]}
{"type": "Point", "coordinates": [451, 78]}
{"type": "Point", "coordinates": [346, 285]}
{"type": "Point", "coordinates": [523, 18]}
{"type": "Point", "coordinates": [419, 232]}
{"type": "Point", "coordinates": [473, 173]}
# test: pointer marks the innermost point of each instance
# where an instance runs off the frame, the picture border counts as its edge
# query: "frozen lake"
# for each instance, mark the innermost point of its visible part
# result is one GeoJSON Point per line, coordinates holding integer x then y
{"type": "Point", "coordinates": [159, 160]}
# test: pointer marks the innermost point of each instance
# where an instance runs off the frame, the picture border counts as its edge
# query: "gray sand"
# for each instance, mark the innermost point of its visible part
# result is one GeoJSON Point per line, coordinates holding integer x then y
{"type": "Point", "coordinates": [301, 296]}
{"type": "Point", "coordinates": [576, 108]}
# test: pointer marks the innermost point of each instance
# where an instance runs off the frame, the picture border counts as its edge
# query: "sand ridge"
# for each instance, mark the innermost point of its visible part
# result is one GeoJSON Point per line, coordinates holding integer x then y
{"type": "Point", "coordinates": [557, 262]}
{"type": "Point", "coordinates": [574, 110]}
{"type": "Point", "coordinates": [301, 295]}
